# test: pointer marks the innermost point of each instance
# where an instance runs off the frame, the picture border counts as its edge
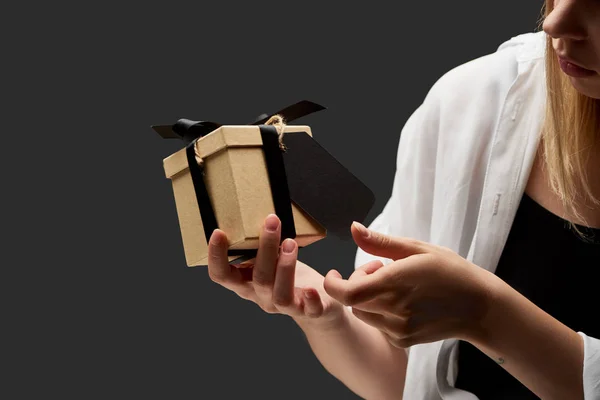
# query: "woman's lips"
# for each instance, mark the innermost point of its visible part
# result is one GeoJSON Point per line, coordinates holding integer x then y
{"type": "Point", "coordinates": [573, 69]}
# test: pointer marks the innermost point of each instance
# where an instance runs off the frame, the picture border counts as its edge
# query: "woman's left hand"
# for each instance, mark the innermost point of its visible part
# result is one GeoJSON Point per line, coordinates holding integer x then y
{"type": "Point", "coordinates": [428, 293]}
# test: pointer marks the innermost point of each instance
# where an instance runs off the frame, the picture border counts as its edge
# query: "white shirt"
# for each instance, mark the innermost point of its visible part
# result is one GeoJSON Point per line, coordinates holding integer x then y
{"type": "Point", "coordinates": [463, 162]}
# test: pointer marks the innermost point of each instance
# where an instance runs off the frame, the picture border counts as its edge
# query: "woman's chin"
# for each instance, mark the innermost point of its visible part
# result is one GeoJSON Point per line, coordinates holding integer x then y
{"type": "Point", "coordinates": [589, 86]}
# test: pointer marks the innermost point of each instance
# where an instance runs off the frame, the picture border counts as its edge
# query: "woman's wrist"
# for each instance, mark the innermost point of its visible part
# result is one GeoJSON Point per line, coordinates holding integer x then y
{"type": "Point", "coordinates": [538, 350]}
{"type": "Point", "coordinates": [496, 299]}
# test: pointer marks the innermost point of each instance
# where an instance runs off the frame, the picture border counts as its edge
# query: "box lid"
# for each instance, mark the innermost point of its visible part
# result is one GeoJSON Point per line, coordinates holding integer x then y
{"type": "Point", "coordinates": [220, 139]}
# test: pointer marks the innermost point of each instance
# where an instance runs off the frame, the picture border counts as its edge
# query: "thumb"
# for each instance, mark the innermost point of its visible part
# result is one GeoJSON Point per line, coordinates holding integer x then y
{"type": "Point", "coordinates": [379, 244]}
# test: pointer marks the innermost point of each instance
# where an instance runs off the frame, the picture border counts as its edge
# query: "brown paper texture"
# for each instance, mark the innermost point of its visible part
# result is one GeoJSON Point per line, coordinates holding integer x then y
{"type": "Point", "coordinates": [238, 185]}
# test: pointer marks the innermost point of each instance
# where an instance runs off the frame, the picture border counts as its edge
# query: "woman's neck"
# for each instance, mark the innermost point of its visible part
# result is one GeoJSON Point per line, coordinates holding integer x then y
{"type": "Point", "coordinates": [539, 189]}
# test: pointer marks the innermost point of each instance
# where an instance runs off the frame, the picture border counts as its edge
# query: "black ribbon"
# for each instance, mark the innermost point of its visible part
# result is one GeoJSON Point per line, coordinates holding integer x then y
{"type": "Point", "coordinates": [278, 180]}
{"type": "Point", "coordinates": [190, 131]}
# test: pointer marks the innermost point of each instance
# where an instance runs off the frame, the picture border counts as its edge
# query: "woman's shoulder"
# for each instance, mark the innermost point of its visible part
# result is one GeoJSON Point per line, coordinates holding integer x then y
{"type": "Point", "coordinates": [461, 109]}
{"type": "Point", "coordinates": [489, 75]}
{"type": "Point", "coordinates": [464, 105]}
{"type": "Point", "coordinates": [454, 127]}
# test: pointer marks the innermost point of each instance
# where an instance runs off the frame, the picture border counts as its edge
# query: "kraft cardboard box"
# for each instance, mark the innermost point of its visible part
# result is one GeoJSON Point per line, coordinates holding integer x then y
{"type": "Point", "coordinates": [232, 176]}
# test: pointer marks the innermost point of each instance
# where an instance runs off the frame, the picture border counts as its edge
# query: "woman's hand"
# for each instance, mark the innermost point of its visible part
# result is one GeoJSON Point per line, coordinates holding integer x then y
{"type": "Point", "coordinates": [427, 293]}
{"type": "Point", "coordinates": [275, 280]}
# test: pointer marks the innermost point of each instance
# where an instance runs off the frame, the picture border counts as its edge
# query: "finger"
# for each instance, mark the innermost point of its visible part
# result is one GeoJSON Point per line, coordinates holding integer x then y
{"type": "Point", "coordinates": [313, 306]}
{"type": "Point", "coordinates": [358, 290]}
{"type": "Point", "coordinates": [263, 275]}
{"type": "Point", "coordinates": [283, 288]}
{"type": "Point", "coordinates": [366, 269]}
{"type": "Point", "coordinates": [219, 269]}
{"type": "Point", "coordinates": [379, 244]}
{"type": "Point", "coordinates": [223, 273]}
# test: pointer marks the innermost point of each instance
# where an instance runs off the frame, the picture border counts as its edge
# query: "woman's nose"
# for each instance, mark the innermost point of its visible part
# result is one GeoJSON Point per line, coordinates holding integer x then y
{"type": "Point", "coordinates": [566, 20]}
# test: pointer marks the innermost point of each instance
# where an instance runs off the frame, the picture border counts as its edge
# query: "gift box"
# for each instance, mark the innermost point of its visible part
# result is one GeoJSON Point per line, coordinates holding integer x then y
{"type": "Point", "coordinates": [232, 176]}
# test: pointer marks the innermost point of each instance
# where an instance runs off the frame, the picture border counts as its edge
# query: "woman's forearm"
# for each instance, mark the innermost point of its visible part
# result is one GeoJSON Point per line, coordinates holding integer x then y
{"type": "Point", "coordinates": [541, 352]}
{"type": "Point", "coordinates": [360, 357]}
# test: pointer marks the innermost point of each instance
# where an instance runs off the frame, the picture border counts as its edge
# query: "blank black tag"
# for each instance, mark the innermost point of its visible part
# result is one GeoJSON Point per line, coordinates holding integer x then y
{"type": "Point", "coordinates": [323, 187]}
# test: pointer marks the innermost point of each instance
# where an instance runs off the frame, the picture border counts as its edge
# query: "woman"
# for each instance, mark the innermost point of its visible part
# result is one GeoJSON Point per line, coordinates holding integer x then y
{"type": "Point", "coordinates": [475, 280]}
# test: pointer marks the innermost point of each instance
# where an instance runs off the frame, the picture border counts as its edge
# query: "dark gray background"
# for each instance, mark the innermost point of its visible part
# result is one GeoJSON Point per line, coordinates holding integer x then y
{"type": "Point", "coordinates": [103, 305]}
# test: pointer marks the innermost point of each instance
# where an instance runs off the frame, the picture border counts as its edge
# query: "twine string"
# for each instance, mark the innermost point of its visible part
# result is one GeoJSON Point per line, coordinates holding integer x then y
{"type": "Point", "coordinates": [279, 123]}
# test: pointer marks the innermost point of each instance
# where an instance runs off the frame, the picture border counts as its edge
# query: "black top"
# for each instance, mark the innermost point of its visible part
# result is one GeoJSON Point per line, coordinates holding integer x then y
{"type": "Point", "coordinates": [547, 262]}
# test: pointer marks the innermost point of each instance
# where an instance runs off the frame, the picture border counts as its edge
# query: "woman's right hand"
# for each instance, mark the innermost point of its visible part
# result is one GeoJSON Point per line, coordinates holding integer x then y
{"type": "Point", "coordinates": [275, 280]}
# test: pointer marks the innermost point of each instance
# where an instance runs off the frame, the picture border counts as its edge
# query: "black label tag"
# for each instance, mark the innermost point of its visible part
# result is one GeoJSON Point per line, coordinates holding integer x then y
{"type": "Point", "coordinates": [323, 187]}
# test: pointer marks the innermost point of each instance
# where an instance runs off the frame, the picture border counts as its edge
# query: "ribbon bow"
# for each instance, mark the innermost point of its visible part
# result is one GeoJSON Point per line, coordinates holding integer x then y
{"type": "Point", "coordinates": [189, 130]}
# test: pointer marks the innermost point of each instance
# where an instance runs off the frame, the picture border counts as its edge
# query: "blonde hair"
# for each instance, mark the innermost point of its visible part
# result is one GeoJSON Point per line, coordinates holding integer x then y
{"type": "Point", "coordinates": [569, 132]}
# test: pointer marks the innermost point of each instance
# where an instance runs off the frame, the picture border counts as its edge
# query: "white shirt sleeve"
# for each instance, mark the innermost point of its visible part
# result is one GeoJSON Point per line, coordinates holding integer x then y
{"type": "Point", "coordinates": [591, 367]}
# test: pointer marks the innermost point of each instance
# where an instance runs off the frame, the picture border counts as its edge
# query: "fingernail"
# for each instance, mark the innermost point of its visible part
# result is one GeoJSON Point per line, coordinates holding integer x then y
{"type": "Point", "coordinates": [288, 246]}
{"type": "Point", "coordinates": [336, 273]}
{"type": "Point", "coordinates": [272, 223]}
{"type": "Point", "coordinates": [215, 239]}
{"type": "Point", "coordinates": [361, 229]}
{"type": "Point", "coordinates": [309, 294]}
